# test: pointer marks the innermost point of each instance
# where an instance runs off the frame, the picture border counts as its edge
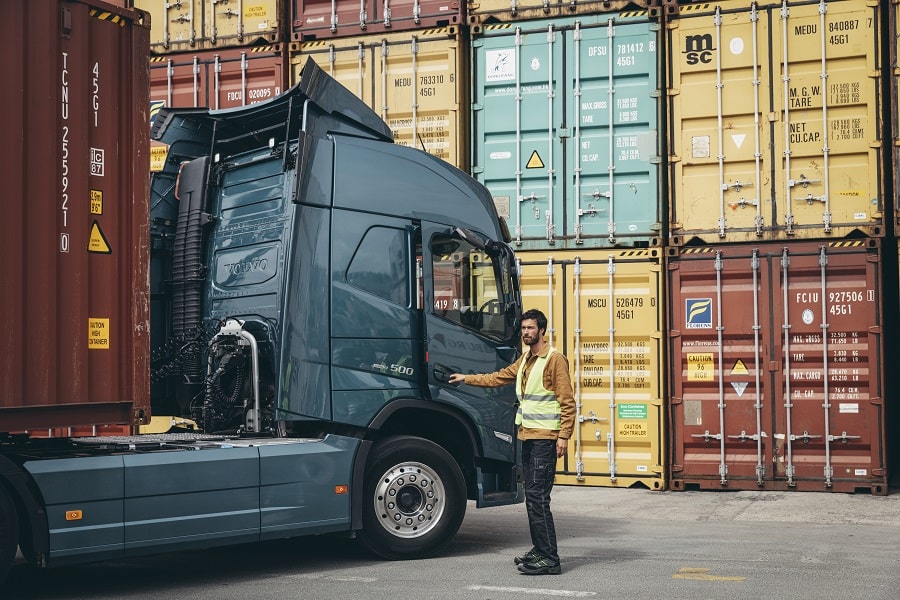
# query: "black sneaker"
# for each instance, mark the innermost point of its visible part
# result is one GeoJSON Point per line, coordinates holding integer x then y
{"type": "Point", "coordinates": [541, 566]}
{"type": "Point", "coordinates": [529, 556]}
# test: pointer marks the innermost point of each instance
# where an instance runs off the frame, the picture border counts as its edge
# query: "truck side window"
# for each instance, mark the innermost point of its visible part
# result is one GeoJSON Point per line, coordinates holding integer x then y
{"type": "Point", "coordinates": [380, 265]}
{"type": "Point", "coordinates": [465, 286]}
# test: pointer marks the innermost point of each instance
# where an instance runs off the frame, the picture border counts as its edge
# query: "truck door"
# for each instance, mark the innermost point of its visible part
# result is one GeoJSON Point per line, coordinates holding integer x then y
{"type": "Point", "coordinates": [469, 300]}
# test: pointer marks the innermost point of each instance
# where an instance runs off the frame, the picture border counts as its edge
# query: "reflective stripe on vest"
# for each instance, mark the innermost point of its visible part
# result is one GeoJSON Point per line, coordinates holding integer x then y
{"type": "Point", "coordinates": [538, 407]}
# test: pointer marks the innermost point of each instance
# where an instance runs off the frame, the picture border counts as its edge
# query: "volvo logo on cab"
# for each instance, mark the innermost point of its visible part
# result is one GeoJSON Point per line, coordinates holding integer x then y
{"type": "Point", "coordinates": [698, 49]}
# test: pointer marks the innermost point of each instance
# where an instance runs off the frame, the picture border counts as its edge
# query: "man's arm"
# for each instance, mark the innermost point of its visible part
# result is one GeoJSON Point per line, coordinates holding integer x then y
{"type": "Point", "coordinates": [562, 387]}
{"type": "Point", "coordinates": [504, 376]}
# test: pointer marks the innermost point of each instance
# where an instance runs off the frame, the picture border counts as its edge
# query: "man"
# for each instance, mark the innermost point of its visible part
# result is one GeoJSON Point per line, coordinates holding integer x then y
{"type": "Point", "coordinates": [546, 417]}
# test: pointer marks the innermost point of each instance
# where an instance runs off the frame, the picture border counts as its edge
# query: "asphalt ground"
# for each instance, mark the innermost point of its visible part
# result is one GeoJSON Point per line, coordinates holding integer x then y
{"type": "Point", "coordinates": [614, 544]}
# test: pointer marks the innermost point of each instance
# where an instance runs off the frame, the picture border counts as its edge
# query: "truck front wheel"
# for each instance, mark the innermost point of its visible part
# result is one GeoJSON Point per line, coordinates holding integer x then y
{"type": "Point", "coordinates": [9, 533]}
{"type": "Point", "coordinates": [414, 498]}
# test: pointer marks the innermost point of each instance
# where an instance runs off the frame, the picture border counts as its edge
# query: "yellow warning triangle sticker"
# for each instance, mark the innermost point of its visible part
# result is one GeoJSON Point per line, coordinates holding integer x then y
{"type": "Point", "coordinates": [97, 242]}
{"type": "Point", "coordinates": [535, 161]}
{"type": "Point", "coordinates": [739, 368]}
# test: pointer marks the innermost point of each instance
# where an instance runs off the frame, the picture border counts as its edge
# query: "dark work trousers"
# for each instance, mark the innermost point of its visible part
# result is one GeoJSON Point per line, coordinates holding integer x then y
{"type": "Point", "coordinates": [539, 465]}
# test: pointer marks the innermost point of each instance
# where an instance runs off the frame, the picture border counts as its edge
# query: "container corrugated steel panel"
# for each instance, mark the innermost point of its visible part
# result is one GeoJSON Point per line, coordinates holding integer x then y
{"type": "Point", "coordinates": [416, 82]}
{"type": "Point", "coordinates": [775, 125]}
{"type": "Point", "coordinates": [488, 11]}
{"type": "Point", "coordinates": [776, 371]}
{"type": "Point", "coordinates": [218, 79]}
{"type": "Point", "coordinates": [329, 19]}
{"type": "Point", "coordinates": [604, 310]}
{"type": "Point", "coordinates": [565, 129]}
{"type": "Point", "coordinates": [75, 241]}
{"type": "Point", "coordinates": [189, 25]}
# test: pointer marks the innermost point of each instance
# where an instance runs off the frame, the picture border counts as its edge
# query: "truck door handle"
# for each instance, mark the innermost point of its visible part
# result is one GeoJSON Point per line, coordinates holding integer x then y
{"type": "Point", "coordinates": [442, 373]}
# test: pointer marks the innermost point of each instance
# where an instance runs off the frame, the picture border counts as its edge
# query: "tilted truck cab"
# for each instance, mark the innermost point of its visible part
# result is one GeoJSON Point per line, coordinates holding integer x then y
{"type": "Point", "coordinates": [313, 286]}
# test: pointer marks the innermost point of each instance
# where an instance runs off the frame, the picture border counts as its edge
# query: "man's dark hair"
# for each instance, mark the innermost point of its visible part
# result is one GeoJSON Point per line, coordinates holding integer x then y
{"type": "Point", "coordinates": [537, 316]}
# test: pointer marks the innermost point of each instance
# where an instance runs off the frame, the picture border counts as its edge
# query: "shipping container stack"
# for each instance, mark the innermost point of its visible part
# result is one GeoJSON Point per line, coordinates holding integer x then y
{"type": "Point", "coordinates": [777, 246]}
{"type": "Point", "coordinates": [696, 193]}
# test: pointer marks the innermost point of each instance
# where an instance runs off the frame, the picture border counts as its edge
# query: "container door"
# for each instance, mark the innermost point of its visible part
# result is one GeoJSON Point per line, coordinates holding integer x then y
{"type": "Point", "coordinates": [613, 194]}
{"type": "Point", "coordinates": [176, 26]}
{"type": "Point", "coordinates": [719, 431]}
{"type": "Point", "coordinates": [720, 172]}
{"type": "Point", "coordinates": [829, 420]}
{"type": "Point", "coordinates": [826, 62]}
{"type": "Point", "coordinates": [241, 23]}
{"type": "Point", "coordinates": [519, 116]}
{"type": "Point", "coordinates": [241, 78]}
{"type": "Point", "coordinates": [178, 83]}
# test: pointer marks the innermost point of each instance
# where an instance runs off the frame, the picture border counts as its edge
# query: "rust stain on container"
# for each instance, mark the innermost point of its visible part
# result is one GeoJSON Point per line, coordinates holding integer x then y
{"type": "Point", "coordinates": [75, 241]}
{"type": "Point", "coordinates": [776, 366]}
{"type": "Point", "coordinates": [604, 311]}
{"type": "Point", "coordinates": [775, 125]}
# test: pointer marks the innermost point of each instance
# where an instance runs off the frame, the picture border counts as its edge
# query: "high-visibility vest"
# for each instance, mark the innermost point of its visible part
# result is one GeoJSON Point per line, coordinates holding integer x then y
{"type": "Point", "coordinates": [538, 407]}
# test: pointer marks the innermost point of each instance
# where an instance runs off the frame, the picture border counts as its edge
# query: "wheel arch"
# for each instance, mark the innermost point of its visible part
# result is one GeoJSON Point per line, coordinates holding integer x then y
{"type": "Point", "coordinates": [443, 425]}
{"type": "Point", "coordinates": [33, 527]}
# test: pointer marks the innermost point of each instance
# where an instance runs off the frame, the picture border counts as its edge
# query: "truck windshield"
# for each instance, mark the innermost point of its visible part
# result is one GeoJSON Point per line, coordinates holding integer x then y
{"type": "Point", "coordinates": [473, 285]}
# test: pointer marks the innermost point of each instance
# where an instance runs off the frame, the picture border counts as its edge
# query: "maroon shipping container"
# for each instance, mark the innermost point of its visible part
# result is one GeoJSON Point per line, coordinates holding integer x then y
{"type": "Point", "coordinates": [218, 79]}
{"type": "Point", "coordinates": [776, 375]}
{"type": "Point", "coordinates": [74, 288]}
{"type": "Point", "coordinates": [325, 19]}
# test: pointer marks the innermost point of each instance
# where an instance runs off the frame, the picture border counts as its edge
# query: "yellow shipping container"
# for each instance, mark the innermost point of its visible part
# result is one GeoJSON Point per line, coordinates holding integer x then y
{"type": "Point", "coordinates": [775, 129]}
{"type": "Point", "coordinates": [188, 25]}
{"type": "Point", "coordinates": [416, 81]}
{"type": "Point", "coordinates": [604, 310]}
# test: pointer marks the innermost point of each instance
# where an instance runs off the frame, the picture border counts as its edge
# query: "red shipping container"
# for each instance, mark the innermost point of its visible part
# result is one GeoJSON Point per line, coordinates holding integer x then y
{"type": "Point", "coordinates": [218, 79]}
{"type": "Point", "coordinates": [74, 287]}
{"type": "Point", "coordinates": [325, 19]}
{"type": "Point", "coordinates": [776, 366]}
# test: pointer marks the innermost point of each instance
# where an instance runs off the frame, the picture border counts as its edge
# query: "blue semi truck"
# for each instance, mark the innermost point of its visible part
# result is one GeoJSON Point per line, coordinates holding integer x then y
{"type": "Point", "coordinates": [312, 287]}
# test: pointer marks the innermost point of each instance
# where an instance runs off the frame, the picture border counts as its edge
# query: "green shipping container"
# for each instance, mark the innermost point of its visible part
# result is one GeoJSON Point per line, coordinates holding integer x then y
{"type": "Point", "coordinates": [564, 129]}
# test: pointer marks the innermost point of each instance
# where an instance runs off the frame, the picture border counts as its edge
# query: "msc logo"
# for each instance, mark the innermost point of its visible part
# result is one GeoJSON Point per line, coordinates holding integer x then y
{"type": "Point", "coordinates": [698, 49]}
{"type": "Point", "coordinates": [698, 313]}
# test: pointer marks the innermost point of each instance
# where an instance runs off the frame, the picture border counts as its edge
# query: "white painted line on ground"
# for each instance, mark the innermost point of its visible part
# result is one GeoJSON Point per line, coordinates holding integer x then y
{"type": "Point", "coordinates": [518, 590]}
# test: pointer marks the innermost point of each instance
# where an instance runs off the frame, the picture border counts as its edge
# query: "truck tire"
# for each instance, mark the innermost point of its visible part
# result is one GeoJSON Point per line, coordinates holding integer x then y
{"type": "Point", "coordinates": [414, 498]}
{"type": "Point", "coordinates": [9, 533]}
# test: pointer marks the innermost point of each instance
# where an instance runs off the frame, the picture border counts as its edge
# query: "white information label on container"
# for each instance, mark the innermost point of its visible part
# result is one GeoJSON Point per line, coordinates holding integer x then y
{"type": "Point", "coordinates": [500, 155]}
{"type": "Point", "coordinates": [500, 65]}
{"type": "Point", "coordinates": [700, 146]}
{"type": "Point", "coordinates": [860, 472]}
{"type": "Point", "coordinates": [848, 408]}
